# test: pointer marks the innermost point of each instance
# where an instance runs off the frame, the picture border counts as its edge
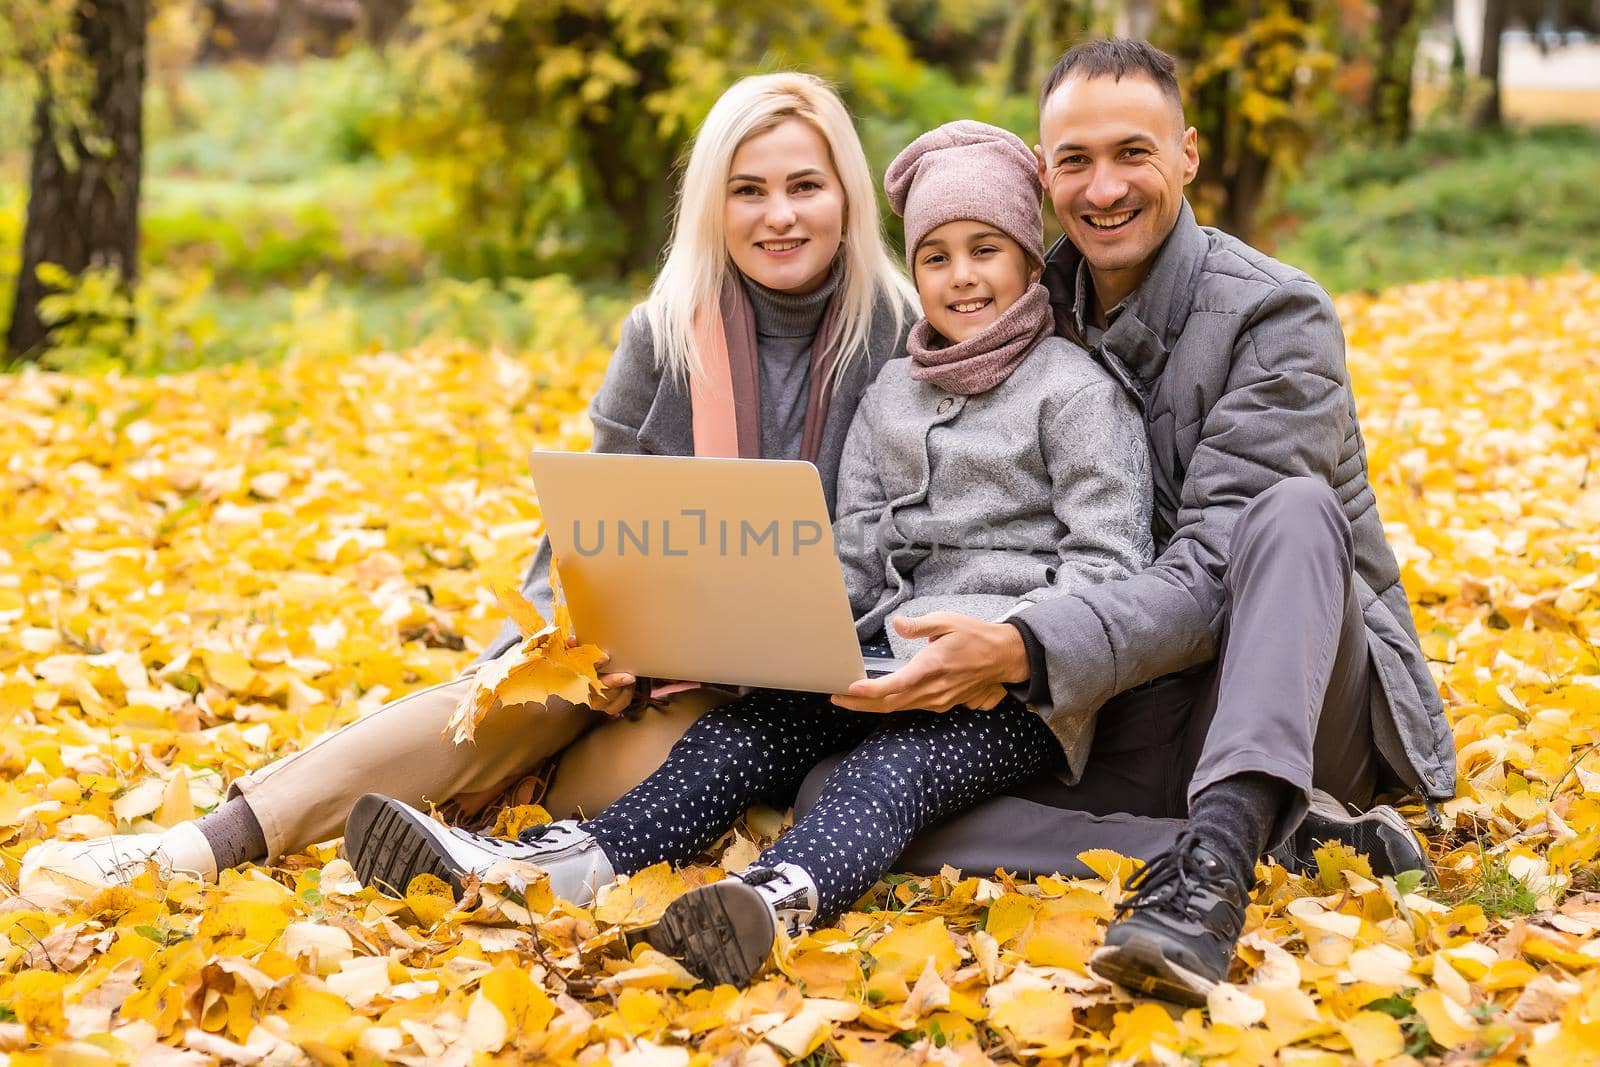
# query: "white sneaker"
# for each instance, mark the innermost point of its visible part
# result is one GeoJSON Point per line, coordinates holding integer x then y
{"type": "Point", "coordinates": [58, 871]}
{"type": "Point", "coordinates": [724, 932]}
{"type": "Point", "coordinates": [390, 842]}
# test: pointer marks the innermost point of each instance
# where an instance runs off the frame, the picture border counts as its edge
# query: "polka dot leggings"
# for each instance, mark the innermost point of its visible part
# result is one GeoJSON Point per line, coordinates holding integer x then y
{"type": "Point", "coordinates": [904, 771]}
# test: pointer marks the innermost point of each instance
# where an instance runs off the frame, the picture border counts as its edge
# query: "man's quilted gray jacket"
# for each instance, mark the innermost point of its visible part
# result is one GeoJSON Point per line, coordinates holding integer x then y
{"type": "Point", "coordinates": [1238, 364]}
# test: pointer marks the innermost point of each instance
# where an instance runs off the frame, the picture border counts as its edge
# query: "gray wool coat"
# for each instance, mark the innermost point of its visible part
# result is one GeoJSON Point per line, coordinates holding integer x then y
{"type": "Point", "coordinates": [1237, 363]}
{"type": "Point", "coordinates": [641, 411]}
{"type": "Point", "coordinates": [1038, 488]}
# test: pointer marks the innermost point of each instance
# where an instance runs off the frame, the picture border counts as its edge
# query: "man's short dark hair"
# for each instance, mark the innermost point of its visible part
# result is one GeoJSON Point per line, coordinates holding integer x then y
{"type": "Point", "coordinates": [1115, 57]}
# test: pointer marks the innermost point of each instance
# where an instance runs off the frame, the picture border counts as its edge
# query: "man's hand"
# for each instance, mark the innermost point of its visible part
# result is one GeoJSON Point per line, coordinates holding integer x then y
{"type": "Point", "coordinates": [964, 664]}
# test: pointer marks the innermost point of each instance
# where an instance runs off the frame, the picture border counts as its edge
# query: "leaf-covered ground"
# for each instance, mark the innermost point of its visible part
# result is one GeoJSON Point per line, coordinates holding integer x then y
{"type": "Point", "coordinates": [199, 573]}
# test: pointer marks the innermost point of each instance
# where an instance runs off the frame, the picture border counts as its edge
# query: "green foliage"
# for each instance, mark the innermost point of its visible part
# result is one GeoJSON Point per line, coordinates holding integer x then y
{"type": "Point", "coordinates": [176, 320]}
{"type": "Point", "coordinates": [97, 324]}
{"type": "Point", "coordinates": [1447, 203]}
{"type": "Point", "coordinates": [351, 222]}
{"type": "Point", "coordinates": [551, 127]}
{"type": "Point", "coordinates": [273, 123]}
{"type": "Point", "coordinates": [38, 48]}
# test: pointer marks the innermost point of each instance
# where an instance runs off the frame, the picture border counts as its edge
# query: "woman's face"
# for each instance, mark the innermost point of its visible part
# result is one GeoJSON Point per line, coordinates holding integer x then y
{"type": "Point", "coordinates": [967, 273]}
{"type": "Point", "coordinates": [784, 211]}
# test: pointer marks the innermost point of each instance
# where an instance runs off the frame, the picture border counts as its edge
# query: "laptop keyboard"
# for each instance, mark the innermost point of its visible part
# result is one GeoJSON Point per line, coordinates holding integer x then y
{"type": "Point", "coordinates": [879, 659]}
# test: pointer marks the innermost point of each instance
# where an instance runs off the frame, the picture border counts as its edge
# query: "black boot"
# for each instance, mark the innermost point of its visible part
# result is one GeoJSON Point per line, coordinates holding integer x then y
{"type": "Point", "coordinates": [1381, 834]}
{"type": "Point", "coordinates": [1175, 932]}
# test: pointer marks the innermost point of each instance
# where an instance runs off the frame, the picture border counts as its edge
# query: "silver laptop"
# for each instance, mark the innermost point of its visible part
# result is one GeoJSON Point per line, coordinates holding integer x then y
{"type": "Point", "coordinates": [706, 570]}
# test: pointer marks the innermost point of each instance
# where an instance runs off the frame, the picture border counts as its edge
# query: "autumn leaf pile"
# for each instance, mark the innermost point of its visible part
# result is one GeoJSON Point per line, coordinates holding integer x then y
{"type": "Point", "coordinates": [200, 573]}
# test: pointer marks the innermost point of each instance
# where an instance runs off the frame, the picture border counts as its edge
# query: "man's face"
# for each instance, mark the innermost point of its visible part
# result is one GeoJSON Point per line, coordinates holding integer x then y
{"type": "Point", "coordinates": [1115, 158]}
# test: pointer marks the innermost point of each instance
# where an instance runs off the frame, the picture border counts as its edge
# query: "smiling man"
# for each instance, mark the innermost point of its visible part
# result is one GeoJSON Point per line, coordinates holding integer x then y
{"type": "Point", "coordinates": [1264, 671]}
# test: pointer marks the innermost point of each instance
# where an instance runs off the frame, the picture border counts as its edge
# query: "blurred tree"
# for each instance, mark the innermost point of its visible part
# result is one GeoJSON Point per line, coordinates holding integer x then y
{"type": "Point", "coordinates": [1399, 27]}
{"type": "Point", "coordinates": [382, 20]}
{"type": "Point", "coordinates": [1547, 20]}
{"type": "Point", "coordinates": [1038, 31]}
{"type": "Point", "coordinates": [553, 125]}
{"type": "Point", "coordinates": [959, 36]}
{"type": "Point", "coordinates": [1494, 25]}
{"type": "Point", "coordinates": [263, 29]}
{"type": "Point", "coordinates": [1257, 76]}
{"type": "Point", "coordinates": [87, 60]}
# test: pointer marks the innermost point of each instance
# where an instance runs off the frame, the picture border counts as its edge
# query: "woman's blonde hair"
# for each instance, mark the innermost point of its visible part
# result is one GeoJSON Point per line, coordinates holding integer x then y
{"type": "Point", "coordinates": [697, 261]}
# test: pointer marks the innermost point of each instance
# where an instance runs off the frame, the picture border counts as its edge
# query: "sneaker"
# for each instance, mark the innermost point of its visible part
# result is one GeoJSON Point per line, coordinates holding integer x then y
{"type": "Point", "coordinates": [390, 842]}
{"type": "Point", "coordinates": [57, 871]}
{"type": "Point", "coordinates": [1174, 935]}
{"type": "Point", "coordinates": [724, 932]}
{"type": "Point", "coordinates": [1381, 834]}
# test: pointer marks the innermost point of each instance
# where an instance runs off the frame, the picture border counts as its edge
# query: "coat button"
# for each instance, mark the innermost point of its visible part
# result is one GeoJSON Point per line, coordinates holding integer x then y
{"type": "Point", "coordinates": [945, 404]}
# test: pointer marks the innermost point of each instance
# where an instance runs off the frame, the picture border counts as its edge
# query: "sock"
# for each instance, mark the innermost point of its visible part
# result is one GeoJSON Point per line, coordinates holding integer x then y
{"type": "Point", "coordinates": [233, 834]}
{"type": "Point", "coordinates": [187, 849]}
{"type": "Point", "coordinates": [1235, 816]}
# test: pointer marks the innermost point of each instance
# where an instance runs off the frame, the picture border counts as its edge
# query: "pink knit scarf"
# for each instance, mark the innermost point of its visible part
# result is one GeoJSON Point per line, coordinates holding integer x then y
{"type": "Point", "coordinates": [725, 397]}
{"type": "Point", "coordinates": [983, 361]}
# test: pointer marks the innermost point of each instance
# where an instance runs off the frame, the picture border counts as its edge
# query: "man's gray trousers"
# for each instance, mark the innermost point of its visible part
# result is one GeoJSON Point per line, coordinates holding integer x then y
{"type": "Point", "coordinates": [1289, 695]}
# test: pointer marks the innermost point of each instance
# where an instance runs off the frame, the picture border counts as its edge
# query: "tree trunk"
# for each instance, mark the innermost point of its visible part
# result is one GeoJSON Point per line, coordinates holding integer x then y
{"type": "Point", "coordinates": [83, 210]}
{"type": "Point", "coordinates": [1494, 23]}
{"type": "Point", "coordinates": [1399, 25]}
{"type": "Point", "coordinates": [382, 20]}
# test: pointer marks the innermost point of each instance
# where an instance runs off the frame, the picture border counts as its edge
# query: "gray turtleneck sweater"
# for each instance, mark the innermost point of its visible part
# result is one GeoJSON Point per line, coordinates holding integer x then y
{"type": "Point", "coordinates": [786, 325]}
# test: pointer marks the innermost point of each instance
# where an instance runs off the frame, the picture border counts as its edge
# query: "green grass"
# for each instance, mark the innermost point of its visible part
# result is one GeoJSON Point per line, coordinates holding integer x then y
{"type": "Point", "coordinates": [1495, 891]}
{"type": "Point", "coordinates": [1447, 204]}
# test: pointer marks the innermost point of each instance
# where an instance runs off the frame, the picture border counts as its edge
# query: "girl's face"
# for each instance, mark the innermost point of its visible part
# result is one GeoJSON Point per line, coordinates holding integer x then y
{"type": "Point", "coordinates": [967, 273]}
{"type": "Point", "coordinates": [784, 211]}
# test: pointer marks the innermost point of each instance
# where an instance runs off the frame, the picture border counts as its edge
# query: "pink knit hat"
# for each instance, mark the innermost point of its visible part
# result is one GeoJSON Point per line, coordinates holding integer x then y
{"type": "Point", "coordinates": [967, 170]}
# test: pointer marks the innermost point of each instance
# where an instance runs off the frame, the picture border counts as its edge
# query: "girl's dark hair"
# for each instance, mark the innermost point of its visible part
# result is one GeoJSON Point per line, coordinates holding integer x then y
{"type": "Point", "coordinates": [1116, 57]}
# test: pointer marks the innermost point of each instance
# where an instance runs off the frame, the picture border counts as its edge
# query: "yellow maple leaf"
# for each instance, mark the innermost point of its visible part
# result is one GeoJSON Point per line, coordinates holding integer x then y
{"type": "Point", "coordinates": [510, 988]}
{"type": "Point", "coordinates": [904, 951]}
{"type": "Point", "coordinates": [547, 663]}
{"type": "Point", "coordinates": [1041, 1021]}
{"type": "Point", "coordinates": [521, 610]}
{"type": "Point", "coordinates": [429, 898]}
{"type": "Point", "coordinates": [641, 898]}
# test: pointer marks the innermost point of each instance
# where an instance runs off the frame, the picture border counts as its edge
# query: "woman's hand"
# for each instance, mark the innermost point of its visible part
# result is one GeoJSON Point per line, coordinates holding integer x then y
{"type": "Point", "coordinates": [618, 692]}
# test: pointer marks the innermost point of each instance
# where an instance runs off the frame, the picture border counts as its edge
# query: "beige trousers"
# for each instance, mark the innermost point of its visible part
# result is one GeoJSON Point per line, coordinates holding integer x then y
{"type": "Point", "coordinates": [399, 750]}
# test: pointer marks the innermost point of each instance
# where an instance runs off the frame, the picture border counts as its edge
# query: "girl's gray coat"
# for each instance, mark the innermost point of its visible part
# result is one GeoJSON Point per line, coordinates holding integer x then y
{"type": "Point", "coordinates": [1034, 489]}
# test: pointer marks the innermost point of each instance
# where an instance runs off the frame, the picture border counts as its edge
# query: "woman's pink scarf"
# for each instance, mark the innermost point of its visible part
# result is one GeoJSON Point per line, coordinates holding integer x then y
{"type": "Point", "coordinates": [726, 396]}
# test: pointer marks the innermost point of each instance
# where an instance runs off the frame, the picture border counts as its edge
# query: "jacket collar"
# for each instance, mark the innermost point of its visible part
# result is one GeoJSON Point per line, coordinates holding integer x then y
{"type": "Point", "coordinates": [1145, 326]}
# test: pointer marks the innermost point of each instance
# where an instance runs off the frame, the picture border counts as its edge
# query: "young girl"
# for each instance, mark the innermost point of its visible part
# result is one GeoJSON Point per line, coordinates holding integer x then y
{"type": "Point", "coordinates": [998, 464]}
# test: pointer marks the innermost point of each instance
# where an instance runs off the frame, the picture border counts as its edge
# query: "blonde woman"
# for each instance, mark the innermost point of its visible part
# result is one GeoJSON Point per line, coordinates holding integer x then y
{"type": "Point", "coordinates": [776, 306]}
